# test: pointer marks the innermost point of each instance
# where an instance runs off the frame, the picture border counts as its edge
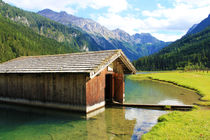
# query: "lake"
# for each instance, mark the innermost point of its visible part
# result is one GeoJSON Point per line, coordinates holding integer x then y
{"type": "Point", "coordinates": [153, 92]}
{"type": "Point", "coordinates": [23, 123]}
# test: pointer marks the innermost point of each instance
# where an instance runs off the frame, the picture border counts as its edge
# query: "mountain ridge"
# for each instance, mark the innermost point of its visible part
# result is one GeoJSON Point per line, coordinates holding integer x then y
{"type": "Point", "coordinates": [66, 19]}
{"type": "Point", "coordinates": [78, 38]}
{"type": "Point", "coordinates": [115, 39]}
{"type": "Point", "coordinates": [200, 26]}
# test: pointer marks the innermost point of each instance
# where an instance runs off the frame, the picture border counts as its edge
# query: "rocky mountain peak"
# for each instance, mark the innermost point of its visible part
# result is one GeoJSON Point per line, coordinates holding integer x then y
{"type": "Point", "coordinates": [142, 34]}
{"type": "Point", "coordinates": [145, 38]}
{"type": "Point", "coordinates": [109, 39]}
{"type": "Point", "coordinates": [63, 13]}
{"type": "Point", "coordinates": [46, 11]}
{"type": "Point", "coordinates": [122, 35]}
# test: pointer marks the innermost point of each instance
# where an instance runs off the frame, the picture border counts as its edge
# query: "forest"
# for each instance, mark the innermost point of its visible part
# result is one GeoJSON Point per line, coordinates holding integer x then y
{"type": "Point", "coordinates": [191, 52]}
{"type": "Point", "coordinates": [48, 28]}
{"type": "Point", "coordinates": [17, 40]}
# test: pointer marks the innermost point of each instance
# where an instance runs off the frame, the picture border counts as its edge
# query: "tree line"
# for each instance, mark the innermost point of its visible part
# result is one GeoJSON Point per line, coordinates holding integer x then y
{"type": "Point", "coordinates": [189, 52]}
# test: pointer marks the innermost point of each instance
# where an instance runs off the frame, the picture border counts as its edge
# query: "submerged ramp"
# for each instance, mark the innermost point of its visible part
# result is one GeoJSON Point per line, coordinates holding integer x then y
{"type": "Point", "coordinates": [153, 106]}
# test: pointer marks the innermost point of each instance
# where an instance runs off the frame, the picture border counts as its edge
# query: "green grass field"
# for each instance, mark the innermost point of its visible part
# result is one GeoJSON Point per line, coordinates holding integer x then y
{"type": "Point", "coordinates": [182, 125]}
{"type": "Point", "coordinates": [193, 125]}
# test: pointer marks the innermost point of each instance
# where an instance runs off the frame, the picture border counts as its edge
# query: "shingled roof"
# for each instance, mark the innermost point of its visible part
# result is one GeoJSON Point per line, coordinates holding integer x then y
{"type": "Point", "coordinates": [85, 62]}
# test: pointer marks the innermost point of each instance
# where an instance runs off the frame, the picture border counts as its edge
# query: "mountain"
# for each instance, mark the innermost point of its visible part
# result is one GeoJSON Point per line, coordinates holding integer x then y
{"type": "Point", "coordinates": [121, 35]}
{"type": "Point", "coordinates": [145, 38]}
{"type": "Point", "coordinates": [133, 46]}
{"type": "Point", "coordinates": [78, 33]}
{"type": "Point", "coordinates": [199, 27]}
{"type": "Point", "coordinates": [48, 28]}
{"type": "Point", "coordinates": [17, 40]}
{"type": "Point", "coordinates": [191, 51]}
{"type": "Point", "coordinates": [86, 25]}
{"type": "Point", "coordinates": [191, 29]}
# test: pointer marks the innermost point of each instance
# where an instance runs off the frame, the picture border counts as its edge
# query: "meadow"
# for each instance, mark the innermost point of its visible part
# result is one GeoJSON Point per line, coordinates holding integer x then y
{"type": "Point", "coordinates": [177, 125]}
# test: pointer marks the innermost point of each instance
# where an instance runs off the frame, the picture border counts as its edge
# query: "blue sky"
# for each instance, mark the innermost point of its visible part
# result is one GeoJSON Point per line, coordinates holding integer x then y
{"type": "Point", "coordinates": [167, 20]}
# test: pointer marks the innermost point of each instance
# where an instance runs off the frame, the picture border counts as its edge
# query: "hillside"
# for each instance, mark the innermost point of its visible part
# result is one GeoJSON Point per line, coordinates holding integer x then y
{"type": "Point", "coordinates": [17, 40]}
{"type": "Point", "coordinates": [199, 27]}
{"type": "Point", "coordinates": [48, 28]}
{"type": "Point", "coordinates": [190, 51]}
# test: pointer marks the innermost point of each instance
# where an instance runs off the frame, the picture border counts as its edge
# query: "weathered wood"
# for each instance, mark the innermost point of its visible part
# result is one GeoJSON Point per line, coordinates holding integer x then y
{"type": "Point", "coordinates": [76, 79]}
{"type": "Point", "coordinates": [88, 62]}
{"type": "Point", "coordinates": [153, 106]}
{"type": "Point", "coordinates": [44, 87]}
{"type": "Point", "coordinates": [119, 87]}
{"type": "Point", "coordinates": [95, 89]}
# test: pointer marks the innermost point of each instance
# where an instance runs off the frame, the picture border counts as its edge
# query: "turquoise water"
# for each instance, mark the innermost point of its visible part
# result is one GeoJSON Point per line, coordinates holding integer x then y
{"type": "Point", "coordinates": [152, 92]}
{"type": "Point", "coordinates": [26, 123]}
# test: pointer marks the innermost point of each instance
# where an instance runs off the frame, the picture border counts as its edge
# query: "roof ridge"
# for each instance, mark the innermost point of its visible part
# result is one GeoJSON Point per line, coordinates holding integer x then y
{"type": "Point", "coordinates": [94, 62]}
{"type": "Point", "coordinates": [65, 54]}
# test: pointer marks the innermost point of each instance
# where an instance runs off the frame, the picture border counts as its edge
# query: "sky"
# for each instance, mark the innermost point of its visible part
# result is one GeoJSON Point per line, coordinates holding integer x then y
{"type": "Point", "coordinates": [167, 20]}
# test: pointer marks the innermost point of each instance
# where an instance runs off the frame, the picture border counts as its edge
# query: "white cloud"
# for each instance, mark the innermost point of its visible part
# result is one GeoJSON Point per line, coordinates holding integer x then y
{"type": "Point", "coordinates": [159, 6]}
{"type": "Point", "coordinates": [113, 6]}
{"type": "Point", "coordinates": [167, 37]}
{"type": "Point", "coordinates": [137, 9]}
{"type": "Point", "coordinates": [42, 4]}
{"type": "Point", "coordinates": [183, 15]}
{"type": "Point", "coordinates": [133, 25]}
{"type": "Point", "coordinates": [179, 18]}
{"type": "Point", "coordinates": [128, 23]}
{"type": "Point", "coordinates": [195, 3]}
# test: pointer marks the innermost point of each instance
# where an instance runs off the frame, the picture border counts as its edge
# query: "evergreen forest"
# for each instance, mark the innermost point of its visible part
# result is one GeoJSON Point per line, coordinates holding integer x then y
{"type": "Point", "coordinates": [189, 52]}
{"type": "Point", "coordinates": [17, 40]}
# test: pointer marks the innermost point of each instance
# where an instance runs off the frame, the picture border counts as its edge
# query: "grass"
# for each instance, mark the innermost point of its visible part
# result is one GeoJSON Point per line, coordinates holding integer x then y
{"type": "Point", "coordinates": [182, 125]}
{"type": "Point", "coordinates": [193, 125]}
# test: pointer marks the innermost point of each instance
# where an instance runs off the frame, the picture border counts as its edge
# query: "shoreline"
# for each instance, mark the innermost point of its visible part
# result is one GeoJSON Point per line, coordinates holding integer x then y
{"type": "Point", "coordinates": [196, 91]}
{"type": "Point", "coordinates": [174, 84]}
{"type": "Point", "coordinates": [178, 124]}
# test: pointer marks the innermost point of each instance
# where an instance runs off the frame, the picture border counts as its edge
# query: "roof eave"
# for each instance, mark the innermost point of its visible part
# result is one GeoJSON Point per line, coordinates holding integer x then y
{"type": "Point", "coordinates": [125, 60]}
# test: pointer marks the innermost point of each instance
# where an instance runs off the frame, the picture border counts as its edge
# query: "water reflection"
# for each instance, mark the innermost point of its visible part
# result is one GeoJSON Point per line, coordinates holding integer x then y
{"type": "Point", "coordinates": [145, 120]}
{"type": "Point", "coordinates": [152, 92]}
{"type": "Point", "coordinates": [113, 123]}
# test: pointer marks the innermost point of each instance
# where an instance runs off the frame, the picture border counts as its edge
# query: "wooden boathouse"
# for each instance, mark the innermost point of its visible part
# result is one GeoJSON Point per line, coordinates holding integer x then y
{"type": "Point", "coordinates": [77, 81]}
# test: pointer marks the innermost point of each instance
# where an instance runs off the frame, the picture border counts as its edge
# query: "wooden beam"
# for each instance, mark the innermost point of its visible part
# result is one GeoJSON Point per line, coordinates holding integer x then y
{"type": "Point", "coordinates": [154, 106]}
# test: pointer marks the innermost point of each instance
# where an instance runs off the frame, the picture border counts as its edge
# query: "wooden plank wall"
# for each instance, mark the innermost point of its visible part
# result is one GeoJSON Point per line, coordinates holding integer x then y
{"type": "Point", "coordinates": [119, 83]}
{"type": "Point", "coordinates": [119, 87]}
{"type": "Point", "coordinates": [54, 88]}
{"type": "Point", "coordinates": [117, 67]}
{"type": "Point", "coordinates": [95, 89]}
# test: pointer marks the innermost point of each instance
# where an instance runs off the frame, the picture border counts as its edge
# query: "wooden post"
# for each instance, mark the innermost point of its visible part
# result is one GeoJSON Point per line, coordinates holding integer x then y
{"type": "Point", "coordinates": [119, 88]}
{"type": "Point", "coordinates": [113, 86]}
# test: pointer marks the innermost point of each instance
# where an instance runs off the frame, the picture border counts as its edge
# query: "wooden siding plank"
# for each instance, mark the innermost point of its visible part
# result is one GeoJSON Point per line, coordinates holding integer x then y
{"type": "Point", "coordinates": [53, 88]}
{"type": "Point", "coordinates": [71, 89]}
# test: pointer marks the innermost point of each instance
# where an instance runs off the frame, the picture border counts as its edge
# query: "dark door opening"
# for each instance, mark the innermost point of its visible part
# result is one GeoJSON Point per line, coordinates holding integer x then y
{"type": "Point", "coordinates": [109, 88]}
